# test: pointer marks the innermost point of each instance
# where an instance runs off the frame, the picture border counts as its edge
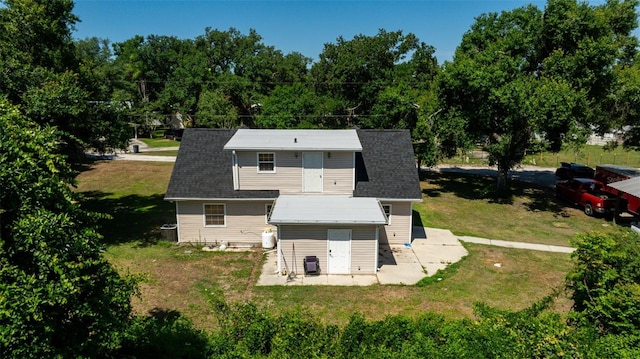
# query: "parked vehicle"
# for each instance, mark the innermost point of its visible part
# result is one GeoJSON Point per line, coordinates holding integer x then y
{"type": "Point", "coordinates": [568, 170]}
{"type": "Point", "coordinates": [608, 174]}
{"type": "Point", "coordinates": [588, 193]}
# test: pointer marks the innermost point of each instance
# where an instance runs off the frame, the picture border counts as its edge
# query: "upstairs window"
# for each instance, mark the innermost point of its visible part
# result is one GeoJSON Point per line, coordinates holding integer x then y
{"type": "Point", "coordinates": [214, 215]}
{"type": "Point", "coordinates": [266, 162]}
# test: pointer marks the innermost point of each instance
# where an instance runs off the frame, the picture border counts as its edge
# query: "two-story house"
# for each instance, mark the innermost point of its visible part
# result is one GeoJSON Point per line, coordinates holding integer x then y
{"type": "Point", "coordinates": [333, 194]}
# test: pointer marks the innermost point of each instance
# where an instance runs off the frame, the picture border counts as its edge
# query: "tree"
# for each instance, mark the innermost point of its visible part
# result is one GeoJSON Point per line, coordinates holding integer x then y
{"type": "Point", "coordinates": [605, 281]}
{"type": "Point", "coordinates": [58, 296]}
{"type": "Point", "coordinates": [527, 73]}
{"type": "Point", "coordinates": [43, 75]}
{"type": "Point", "coordinates": [372, 78]}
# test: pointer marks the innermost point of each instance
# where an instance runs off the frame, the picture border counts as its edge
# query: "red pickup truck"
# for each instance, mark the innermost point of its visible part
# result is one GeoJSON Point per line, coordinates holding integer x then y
{"type": "Point", "coordinates": [587, 193]}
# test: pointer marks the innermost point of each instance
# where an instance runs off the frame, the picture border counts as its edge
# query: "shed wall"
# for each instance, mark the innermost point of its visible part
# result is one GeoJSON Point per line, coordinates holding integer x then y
{"type": "Point", "coordinates": [312, 241]}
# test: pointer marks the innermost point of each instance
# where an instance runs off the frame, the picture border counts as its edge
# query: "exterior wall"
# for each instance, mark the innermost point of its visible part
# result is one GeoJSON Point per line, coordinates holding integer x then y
{"type": "Point", "coordinates": [338, 173]}
{"type": "Point", "coordinates": [399, 231]}
{"type": "Point", "coordinates": [312, 241]}
{"type": "Point", "coordinates": [245, 221]}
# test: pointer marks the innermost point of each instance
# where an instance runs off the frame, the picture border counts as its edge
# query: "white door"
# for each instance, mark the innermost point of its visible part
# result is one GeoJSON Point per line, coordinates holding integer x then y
{"type": "Point", "coordinates": [312, 172]}
{"type": "Point", "coordinates": [339, 258]}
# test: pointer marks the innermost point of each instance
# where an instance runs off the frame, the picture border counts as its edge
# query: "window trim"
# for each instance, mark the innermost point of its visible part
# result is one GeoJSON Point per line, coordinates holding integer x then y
{"type": "Point", "coordinates": [390, 212]}
{"type": "Point", "coordinates": [267, 211]}
{"type": "Point", "coordinates": [224, 214]}
{"type": "Point", "coordinates": [258, 162]}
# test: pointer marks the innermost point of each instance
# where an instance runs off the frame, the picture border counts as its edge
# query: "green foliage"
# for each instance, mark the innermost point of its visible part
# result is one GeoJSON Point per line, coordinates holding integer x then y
{"type": "Point", "coordinates": [58, 296]}
{"type": "Point", "coordinates": [605, 281]}
{"type": "Point", "coordinates": [551, 73]}
{"type": "Point", "coordinates": [52, 82]}
{"type": "Point", "coordinates": [164, 334]}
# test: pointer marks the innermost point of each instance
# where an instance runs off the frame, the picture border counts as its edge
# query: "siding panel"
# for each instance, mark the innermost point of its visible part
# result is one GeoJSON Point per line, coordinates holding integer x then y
{"type": "Point", "coordinates": [312, 241]}
{"type": "Point", "coordinates": [337, 173]}
{"type": "Point", "coordinates": [287, 178]}
{"type": "Point", "coordinates": [399, 231]}
{"type": "Point", "coordinates": [245, 221]}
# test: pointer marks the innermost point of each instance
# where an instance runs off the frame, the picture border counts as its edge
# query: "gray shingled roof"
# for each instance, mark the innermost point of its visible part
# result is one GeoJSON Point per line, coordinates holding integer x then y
{"type": "Point", "coordinates": [386, 168]}
{"type": "Point", "coordinates": [203, 169]}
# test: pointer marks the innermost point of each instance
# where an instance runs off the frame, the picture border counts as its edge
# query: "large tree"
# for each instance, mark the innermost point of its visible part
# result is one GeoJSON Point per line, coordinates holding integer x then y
{"type": "Point", "coordinates": [58, 296]}
{"type": "Point", "coordinates": [42, 74]}
{"type": "Point", "coordinates": [528, 73]}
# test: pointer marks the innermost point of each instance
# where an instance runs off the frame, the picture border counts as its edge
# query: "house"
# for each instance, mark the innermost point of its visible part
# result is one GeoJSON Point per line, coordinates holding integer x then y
{"type": "Point", "coordinates": [334, 194]}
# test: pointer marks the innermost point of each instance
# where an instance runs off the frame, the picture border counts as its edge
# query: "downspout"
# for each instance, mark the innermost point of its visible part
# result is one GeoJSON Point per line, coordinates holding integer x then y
{"type": "Point", "coordinates": [234, 160]}
{"type": "Point", "coordinates": [377, 250]}
{"type": "Point", "coordinates": [279, 250]}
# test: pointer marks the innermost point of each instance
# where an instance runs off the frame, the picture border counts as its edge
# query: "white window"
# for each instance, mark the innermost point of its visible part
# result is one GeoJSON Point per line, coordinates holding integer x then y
{"type": "Point", "coordinates": [387, 212]}
{"type": "Point", "coordinates": [214, 215]}
{"type": "Point", "coordinates": [266, 162]}
{"type": "Point", "coordinates": [267, 212]}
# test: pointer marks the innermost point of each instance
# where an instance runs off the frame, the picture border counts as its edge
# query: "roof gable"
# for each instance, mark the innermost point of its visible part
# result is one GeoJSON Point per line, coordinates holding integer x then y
{"type": "Point", "coordinates": [387, 167]}
{"type": "Point", "coordinates": [203, 169]}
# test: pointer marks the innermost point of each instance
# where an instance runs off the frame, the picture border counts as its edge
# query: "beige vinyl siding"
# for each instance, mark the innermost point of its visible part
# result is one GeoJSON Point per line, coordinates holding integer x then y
{"type": "Point", "coordinates": [287, 177]}
{"type": "Point", "coordinates": [244, 222]}
{"type": "Point", "coordinates": [337, 172]}
{"type": "Point", "coordinates": [312, 241]}
{"type": "Point", "coordinates": [399, 231]}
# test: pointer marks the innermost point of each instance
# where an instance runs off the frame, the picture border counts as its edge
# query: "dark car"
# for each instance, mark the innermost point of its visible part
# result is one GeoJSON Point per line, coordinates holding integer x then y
{"type": "Point", "coordinates": [174, 134]}
{"type": "Point", "coordinates": [569, 171]}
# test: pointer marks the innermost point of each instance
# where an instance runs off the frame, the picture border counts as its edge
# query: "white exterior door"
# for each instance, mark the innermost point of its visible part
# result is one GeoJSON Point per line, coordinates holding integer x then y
{"type": "Point", "coordinates": [312, 172]}
{"type": "Point", "coordinates": [339, 256]}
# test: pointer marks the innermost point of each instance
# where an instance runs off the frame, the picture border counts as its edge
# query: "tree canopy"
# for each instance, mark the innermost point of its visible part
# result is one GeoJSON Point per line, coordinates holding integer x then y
{"type": "Point", "coordinates": [528, 74]}
{"type": "Point", "coordinates": [58, 296]}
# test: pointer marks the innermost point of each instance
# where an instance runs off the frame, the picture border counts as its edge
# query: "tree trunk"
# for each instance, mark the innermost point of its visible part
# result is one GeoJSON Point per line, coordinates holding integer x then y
{"type": "Point", "coordinates": [503, 175]}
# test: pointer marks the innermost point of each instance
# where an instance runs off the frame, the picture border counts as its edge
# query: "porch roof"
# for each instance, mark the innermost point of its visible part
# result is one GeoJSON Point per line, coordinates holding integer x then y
{"type": "Point", "coordinates": [294, 140]}
{"type": "Point", "coordinates": [327, 209]}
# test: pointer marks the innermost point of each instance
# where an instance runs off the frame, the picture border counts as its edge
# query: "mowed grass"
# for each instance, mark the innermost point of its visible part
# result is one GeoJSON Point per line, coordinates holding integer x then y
{"type": "Point", "coordinates": [185, 278]}
{"type": "Point", "coordinates": [590, 155]}
{"type": "Point", "coordinates": [159, 141]}
{"type": "Point", "coordinates": [468, 206]}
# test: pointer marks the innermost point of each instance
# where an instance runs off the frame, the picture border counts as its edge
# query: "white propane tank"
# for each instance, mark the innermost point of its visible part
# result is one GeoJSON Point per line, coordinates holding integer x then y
{"type": "Point", "coordinates": [267, 238]}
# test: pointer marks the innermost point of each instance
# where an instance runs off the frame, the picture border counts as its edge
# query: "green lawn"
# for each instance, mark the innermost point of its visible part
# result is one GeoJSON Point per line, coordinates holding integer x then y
{"type": "Point", "coordinates": [466, 205]}
{"type": "Point", "coordinates": [183, 278]}
{"type": "Point", "coordinates": [159, 142]}
{"type": "Point", "coordinates": [589, 155]}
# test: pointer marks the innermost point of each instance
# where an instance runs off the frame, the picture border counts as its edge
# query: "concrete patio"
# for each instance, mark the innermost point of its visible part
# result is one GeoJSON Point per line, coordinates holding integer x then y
{"type": "Point", "coordinates": [431, 249]}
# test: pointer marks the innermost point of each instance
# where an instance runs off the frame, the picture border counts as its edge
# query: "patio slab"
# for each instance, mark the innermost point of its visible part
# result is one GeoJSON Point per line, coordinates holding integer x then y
{"type": "Point", "coordinates": [431, 249]}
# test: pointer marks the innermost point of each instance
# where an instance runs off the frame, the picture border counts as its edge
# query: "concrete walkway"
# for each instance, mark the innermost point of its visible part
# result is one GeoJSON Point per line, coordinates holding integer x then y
{"type": "Point", "coordinates": [519, 245]}
{"type": "Point", "coordinates": [432, 249]}
{"type": "Point", "coordinates": [129, 155]}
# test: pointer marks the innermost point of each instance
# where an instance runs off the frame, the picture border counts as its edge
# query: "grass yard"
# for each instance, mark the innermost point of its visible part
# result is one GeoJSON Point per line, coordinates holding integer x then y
{"type": "Point", "coordinates": [159, 141]}
{"type": "Point", "coordinates": [467, 205]}
{"type": "Point", "coordinates": [590, 155]}
{"type": "Point", "coordinates": [183, 278]}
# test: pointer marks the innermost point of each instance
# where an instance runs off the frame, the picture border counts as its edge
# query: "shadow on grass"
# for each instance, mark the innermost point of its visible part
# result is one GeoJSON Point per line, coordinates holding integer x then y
{"type": "Point", "coordinates": [474, 184]}
{"type": "Point", "coordinates": [164, 334]}
{"type": "Point", "coordinates": [133, 218]}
